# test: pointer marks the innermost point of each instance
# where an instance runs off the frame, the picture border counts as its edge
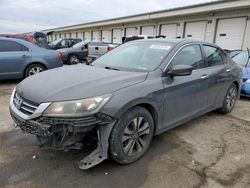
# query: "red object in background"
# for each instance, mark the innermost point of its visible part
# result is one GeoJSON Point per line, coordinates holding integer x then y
{"type": "Point", "coordinates": [110, 48]}
{"type": "Point", "coordinates": [59, 56]}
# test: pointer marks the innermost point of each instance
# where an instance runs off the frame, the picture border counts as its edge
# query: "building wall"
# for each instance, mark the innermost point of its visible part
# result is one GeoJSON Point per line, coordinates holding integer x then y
{"type": "Point", "coordinates": [209, 17]}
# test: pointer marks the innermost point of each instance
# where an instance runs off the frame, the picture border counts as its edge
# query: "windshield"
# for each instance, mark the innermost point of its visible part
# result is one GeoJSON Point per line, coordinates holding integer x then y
{"type": "Point", "coordinates": [79, 45]}
{"type": "Point", "coordinates": [135, 56]}
{"type": "Point", "coordinates": [241, 58]}
{"type": "Point", "coordinates": [56, 41]}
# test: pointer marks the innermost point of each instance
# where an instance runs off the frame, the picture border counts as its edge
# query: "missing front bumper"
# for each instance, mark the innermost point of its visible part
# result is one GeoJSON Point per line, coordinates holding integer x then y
{"type": "Point", "coordinates": [69, 133]}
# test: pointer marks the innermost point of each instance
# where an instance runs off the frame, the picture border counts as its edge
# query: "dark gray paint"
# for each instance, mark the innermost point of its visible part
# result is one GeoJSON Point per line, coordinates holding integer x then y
{"type": "Point", "coordinates": [175, 100]}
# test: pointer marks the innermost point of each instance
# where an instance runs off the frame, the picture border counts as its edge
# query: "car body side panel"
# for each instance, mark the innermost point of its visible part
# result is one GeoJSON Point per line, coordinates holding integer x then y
{"type": "Point", "coordinates": [12, 63]}
{"type": "Point", "coordinates": [185, 96]}
{"type": "Point", "coordinates": [148, 92]}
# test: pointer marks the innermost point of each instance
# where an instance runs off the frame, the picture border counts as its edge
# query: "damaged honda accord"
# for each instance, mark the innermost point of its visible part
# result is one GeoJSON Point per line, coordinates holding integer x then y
{"type": "Point", "coordinates": [136, 91]}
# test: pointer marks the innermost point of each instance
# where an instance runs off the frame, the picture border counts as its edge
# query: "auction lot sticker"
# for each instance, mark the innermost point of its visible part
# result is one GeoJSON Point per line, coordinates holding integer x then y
{"type": "Point", "coordinates": [160, 47]}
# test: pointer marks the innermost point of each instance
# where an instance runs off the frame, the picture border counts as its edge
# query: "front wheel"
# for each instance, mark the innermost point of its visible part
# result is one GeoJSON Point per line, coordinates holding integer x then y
{"type": "Point", "coordinates": [33, 69]}
{"type": "Point", "coordinates": [131, 136]}
{"type": "Point", "coordinates": [229, 99]}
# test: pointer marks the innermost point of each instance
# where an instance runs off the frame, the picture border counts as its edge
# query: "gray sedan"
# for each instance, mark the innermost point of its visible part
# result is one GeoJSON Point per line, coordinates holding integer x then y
{"type": "Point", "coordinates": [136, 91]}
{"type": "Point", "coordinates": [20, 59]}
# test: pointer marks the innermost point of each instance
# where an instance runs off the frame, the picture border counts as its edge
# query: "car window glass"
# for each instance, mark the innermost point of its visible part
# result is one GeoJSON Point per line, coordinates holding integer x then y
{"type": "Point", "coordinates": [11, 46]}
{"type": "Point", "coordinates": [63, 43]}
{"type": "Point", "coordinates": [189, 55]}
{"type": "Point", "coordinates": [241, 58]}
{"type": "Point", "coordinates": [135, 56]}
{"type": "Point", "coordinates": [214, 56]}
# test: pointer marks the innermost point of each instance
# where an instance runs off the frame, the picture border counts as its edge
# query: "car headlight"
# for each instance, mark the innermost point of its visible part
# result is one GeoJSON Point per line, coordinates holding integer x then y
{"type": "Point", "coordinates": [247, 81]}
{"type": "Point", "coordinates": [76, 108]}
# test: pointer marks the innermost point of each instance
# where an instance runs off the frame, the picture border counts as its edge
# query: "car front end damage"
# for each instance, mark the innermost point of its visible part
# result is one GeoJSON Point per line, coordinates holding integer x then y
{"type": "Point", "coordinates": [64, 133]}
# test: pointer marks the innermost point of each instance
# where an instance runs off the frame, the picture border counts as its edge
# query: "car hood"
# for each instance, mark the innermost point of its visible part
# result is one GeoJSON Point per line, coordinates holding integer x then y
{"type": "Point", "coordinates": [75, 82]}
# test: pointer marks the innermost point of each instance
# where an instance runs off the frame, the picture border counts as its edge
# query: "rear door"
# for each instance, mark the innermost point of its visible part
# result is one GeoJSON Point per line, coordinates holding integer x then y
{"type": "Point", "coordinates": [13, 56]}
{"type": "Point", "coordinates": [186, 96]}
{"type": "Point", "coordinates": [219, 71]}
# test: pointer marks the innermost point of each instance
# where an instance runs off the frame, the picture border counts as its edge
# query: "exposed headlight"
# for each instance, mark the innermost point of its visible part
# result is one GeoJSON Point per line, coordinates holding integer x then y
{"type": "Point", "coordinates": [76, 108]}
{"type": "Point", "coordinates": [247, 81]}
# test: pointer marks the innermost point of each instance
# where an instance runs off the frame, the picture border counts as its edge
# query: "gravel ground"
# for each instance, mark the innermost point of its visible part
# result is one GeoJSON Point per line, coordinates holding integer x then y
{"type": "Point", "coordinates": [210, 151]}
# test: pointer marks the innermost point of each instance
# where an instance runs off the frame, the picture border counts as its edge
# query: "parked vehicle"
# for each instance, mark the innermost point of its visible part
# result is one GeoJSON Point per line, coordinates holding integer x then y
{"type": "Point", "coordinates": [139, 37]}
{"type": "Point", "coordinates": [63, 43]}
{"type": "Point", "coordinates": [85, 52]}
{"type": "Point", "coordinates": [97, 49]}
{"type": "Point", "coordinates": [138, 90]}
{"type": "Point", "coordinates": [243, 59]}
{"type": "Point", "coordinates": [20, 59]}
{"type": "Point", "coordinates": [75, 54]}
{"type": "Point", "coordinates": [37, 38]}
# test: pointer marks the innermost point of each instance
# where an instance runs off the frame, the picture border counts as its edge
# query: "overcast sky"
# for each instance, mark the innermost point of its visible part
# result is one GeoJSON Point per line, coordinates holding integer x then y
{"type": "Point", "coordinates": [33, 15]}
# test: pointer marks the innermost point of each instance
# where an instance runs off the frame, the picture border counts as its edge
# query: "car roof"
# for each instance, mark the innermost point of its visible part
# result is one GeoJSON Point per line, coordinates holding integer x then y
{"type": "Point", "coordinates": [21, 41]}
{"type": "Point", "coordinates": [176, 41]}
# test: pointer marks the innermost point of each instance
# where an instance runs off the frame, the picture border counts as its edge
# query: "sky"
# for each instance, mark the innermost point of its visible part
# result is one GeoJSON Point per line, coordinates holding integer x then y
{"type": "Point", "coordinates": [17, 16]}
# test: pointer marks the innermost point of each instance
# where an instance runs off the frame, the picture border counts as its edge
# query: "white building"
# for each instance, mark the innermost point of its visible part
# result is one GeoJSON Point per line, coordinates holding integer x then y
{"type": "Point", "coordinates": [226, 23]}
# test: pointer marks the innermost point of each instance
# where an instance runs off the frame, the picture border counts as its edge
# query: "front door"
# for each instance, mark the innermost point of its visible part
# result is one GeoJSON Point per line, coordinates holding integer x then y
{"type": "Point", "coordinates": [186, 96]}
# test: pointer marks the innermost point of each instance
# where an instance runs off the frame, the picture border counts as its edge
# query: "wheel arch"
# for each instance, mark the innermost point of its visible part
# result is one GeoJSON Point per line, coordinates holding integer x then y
{"type": "Point", "coordinates": [151, 107]}
{"type": "Point", "coordinates": [28, 65]}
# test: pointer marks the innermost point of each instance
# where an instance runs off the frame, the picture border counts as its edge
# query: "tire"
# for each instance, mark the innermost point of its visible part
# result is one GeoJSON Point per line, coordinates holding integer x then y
{"type": "Point", "coordinates": [127, 145]}
{"type": "Point", "coordinates": [229, 100]}
{"type": "Point", "coordinates": [73, 59]}
{"type": "Point", "coordinates": [33, 69]}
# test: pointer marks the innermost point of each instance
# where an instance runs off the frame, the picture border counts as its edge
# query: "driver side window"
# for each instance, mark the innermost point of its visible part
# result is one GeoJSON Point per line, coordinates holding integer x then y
{"type": "Point", "coordinates": [189, 55]}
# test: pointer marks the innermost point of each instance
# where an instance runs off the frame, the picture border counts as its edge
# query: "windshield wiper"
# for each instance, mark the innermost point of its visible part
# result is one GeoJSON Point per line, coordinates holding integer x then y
{"type": "Point", "coordinates": [112, 68]}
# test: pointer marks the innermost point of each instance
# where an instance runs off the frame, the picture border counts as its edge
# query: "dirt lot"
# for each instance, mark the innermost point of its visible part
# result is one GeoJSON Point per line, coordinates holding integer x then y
{"type": "Point", "coordinates": [211, 151]}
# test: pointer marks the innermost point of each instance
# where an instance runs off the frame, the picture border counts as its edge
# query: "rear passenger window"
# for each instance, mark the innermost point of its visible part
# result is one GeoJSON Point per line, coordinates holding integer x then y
{"type": "Point", "coordinates": [189, 55]}
{"type": "Point", "coordinates": [11, 46]}
{"type": "Point", "coordinates": [215, 56]}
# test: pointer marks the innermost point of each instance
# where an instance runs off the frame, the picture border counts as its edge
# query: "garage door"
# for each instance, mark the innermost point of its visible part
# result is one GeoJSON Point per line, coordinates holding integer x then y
{"type": "Point", "coordinates": [117, 36]}
{"type": "Point", "coordinates": [169, 30]}
{"type": "Point", "coordinates": [131, 31]}
{"type": "Point", "coordinates": [73, 35]}
{"type": "Point", "coordinates": [79, 35]}
{"type": "Point", "coordinates": [87, 36]}
{"type": "Point", "coordinates": [230, 33]}
{"type": "Point", "coordinates": [147, 30]}
{"type": "Point", "coordinates": [106, 35]}
{"type": "Point", "coordinates": [196, 30]}
{"type": "Point", "coordinates": [96, 36]}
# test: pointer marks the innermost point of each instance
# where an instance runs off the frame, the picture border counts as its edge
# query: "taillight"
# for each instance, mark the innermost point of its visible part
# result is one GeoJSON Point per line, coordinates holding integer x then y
{"type": "Point", "coordinates": [110, 48]}
{"type": "Point", "coordinates": [59, 56]}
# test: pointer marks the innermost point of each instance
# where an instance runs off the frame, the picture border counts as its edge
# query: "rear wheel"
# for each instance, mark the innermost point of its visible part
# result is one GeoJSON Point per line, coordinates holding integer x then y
{"type": "Point", "coordinates": [33, 69]}
{"type": "Point", "coordinates": [229, 100]}
{"type": "Point", "coordinates": [131, 136]}
{"type": "Point", "coordinates": [73, 59]}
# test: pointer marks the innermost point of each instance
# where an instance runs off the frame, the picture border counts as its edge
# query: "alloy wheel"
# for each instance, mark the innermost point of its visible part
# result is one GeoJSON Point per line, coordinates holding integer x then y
{"type": "Point", "coordinates": [73, 59]}
{"type": "Point", "coordinates": [35, 70]}
{"type": "Point", "coordinates": [135, 136]}
{"type": "Point", "coordinates": [231, 97]}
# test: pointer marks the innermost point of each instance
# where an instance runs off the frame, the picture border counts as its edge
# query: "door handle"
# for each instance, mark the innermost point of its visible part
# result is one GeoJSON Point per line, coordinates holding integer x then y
{"type": "Point", "coordinates": [228, 70]}
{"type": "Point", "coordinates": [204, 76]}
{"type": "Point", "coordinates": [25, 56]}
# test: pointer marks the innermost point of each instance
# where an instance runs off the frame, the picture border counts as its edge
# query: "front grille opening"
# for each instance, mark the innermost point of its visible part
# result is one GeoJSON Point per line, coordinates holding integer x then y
{"type": "Point", "coordinates": [25, 106]}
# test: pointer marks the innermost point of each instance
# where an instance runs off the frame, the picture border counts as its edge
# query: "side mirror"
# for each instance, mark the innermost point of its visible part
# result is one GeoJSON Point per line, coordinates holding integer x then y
{"type": "Point", "coordinates": [180, 70]}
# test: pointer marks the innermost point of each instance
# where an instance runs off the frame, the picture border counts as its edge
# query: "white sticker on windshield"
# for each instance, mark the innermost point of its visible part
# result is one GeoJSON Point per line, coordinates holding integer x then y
{"type": "Point", "coordinates": [160, 47]}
